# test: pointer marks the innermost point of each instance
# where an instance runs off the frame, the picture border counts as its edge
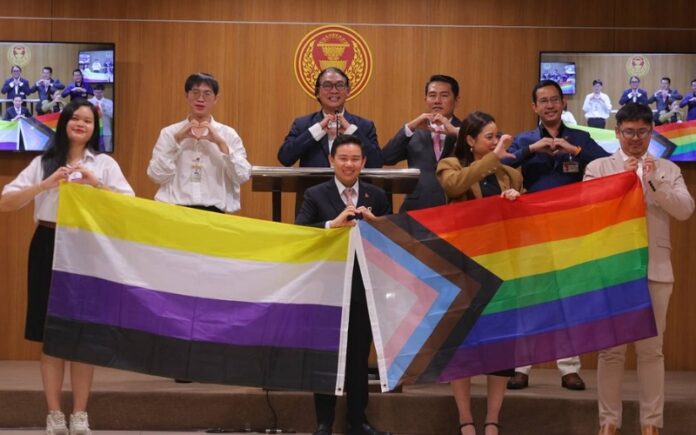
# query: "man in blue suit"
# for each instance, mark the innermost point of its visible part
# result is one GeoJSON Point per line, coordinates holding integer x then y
{"type": "Point", "coordinates": [311, 136]}
{"type": "Point", "coordinates": [16, 85]}
{"type": "Point", "coordinates": [552, 155]}
{"type": "Point", "coordinates": [333, 204]}
{"type": "Point", "coordinates": [16, 111]}
{"type": "Point", "coordinates": [634, 94]}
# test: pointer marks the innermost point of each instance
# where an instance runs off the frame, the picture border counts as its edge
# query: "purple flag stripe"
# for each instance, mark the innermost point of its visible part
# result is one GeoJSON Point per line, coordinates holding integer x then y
{"type": "Point", "coordinates": [8, 146]}
{"type": "Point", "coordinates": [549, 346]}
{"type": "Point", "coordinates": [95, 300]}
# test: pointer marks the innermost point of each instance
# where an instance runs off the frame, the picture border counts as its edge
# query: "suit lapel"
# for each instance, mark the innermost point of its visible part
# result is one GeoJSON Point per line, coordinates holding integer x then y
{"type": "Point", "coordinates": [335, 197]}
{"type": "Point", "coordinates": [318, 117]}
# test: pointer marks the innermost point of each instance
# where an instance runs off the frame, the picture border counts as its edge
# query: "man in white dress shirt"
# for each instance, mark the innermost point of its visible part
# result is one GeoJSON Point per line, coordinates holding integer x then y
{"type": "Point", "coordinates": [199, 162]}
{"type": "Point", "coordinates": [597, 106]}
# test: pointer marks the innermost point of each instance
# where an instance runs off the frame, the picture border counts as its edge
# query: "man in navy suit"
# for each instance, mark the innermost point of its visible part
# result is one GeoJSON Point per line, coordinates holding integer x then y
{"type": "Point", "coordinates": [552, 155]}
{"type": "Point", "coordinates": [423, 142]}
{"type": "Point", "coordinates": [311, 136]}
{"type": "Point", "coordinates": [333, 204]}
{"type": "Point", "coordinates": [16, 85]}
{"type": "Point", "coordinates": [634, 94]}
{"type": "Point", "coordinates": [16, 111]}
{"type": "Point", "coordinates": [45, 86]}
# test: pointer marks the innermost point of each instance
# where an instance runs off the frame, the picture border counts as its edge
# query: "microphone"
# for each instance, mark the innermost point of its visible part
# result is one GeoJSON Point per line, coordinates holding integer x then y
{"type": "Point", "coordinates": [337, 113]}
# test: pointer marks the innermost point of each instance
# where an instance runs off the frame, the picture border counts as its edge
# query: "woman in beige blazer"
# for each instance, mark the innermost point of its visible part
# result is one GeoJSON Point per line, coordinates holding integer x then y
{"type": "Point", "coordinates": [473, 172]}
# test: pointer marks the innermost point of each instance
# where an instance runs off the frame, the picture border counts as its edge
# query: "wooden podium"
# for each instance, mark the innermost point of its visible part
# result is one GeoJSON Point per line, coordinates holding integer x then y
{"type": "Point", "coordinates": [279, 179]}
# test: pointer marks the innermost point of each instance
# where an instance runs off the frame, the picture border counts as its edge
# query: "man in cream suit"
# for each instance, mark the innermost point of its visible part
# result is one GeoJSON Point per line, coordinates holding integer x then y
{"type": "Point", "coordinates": [666, 196]}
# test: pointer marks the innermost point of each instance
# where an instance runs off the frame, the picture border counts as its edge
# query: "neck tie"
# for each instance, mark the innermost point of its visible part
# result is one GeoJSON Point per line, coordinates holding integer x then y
{"type": "Point", "coordinates": [348, 196]}
{"type": "Point", "coordinates": [437, 142]}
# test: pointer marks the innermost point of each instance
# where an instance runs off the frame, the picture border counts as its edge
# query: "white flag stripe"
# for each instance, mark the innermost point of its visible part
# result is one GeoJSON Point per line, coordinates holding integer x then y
{"type": "Point", "coordinates": [156, 268]}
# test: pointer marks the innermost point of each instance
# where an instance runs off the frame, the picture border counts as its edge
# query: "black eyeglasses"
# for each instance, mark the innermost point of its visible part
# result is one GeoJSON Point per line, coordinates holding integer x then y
{"type": "Point", "coordinates": [630, 133]}
{"type": "Point", "coordinates": [340, 86]}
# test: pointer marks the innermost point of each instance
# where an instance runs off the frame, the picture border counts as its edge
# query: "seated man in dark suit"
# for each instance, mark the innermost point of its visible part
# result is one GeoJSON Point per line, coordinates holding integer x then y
{"type": "Point", "coordinates": [311, 136]}
{"type": "Point", "coordinates": [16, 111]}
{"type": "Point", "coordinates": [422, 142]}
{"type": "Point", "coordinates": [333, 204]}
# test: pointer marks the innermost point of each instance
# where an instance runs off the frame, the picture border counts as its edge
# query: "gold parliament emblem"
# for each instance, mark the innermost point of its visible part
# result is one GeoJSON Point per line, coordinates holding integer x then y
{"type": "Point", "coordinates": [333, 46]}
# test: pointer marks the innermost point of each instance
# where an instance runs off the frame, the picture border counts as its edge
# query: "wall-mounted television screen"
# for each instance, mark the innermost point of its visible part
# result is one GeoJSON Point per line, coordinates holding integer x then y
{"type": "Point", "coordinates": [97, 65]}
{"type": "Point", "coordinates": [562, 73]}
{"type": "Point", "coordinates": [41, 75]}
{"type": "Point", "coordinates": [674, 116]}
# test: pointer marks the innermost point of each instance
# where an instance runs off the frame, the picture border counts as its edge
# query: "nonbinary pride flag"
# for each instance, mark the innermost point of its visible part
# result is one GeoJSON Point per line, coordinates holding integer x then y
{"type": "Point", "coordinates": [492, 284]}
{"type": "Point", "coordinates": [183, 293]}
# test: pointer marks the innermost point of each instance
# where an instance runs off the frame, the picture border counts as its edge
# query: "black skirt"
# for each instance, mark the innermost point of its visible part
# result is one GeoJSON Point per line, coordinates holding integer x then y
{"type": "Point", "coordinates": [39, 281]}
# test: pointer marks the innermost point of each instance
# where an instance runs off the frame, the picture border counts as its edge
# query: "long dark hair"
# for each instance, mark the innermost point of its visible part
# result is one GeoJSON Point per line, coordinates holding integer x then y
{"type": "Point", "coordinates": [472, 126]}
{"type": "Point", "coordinates": [56, 155]}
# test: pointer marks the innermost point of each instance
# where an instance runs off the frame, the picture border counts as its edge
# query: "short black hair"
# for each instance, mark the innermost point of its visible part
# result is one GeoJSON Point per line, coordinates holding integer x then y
{"type": "Point", "coordinates": [543, 84]}
{"type": "Point", "coordinates": [454, 84]}
{"type": "Point", "coordinates": [338, 71]}
{"type": "Point", "coordinates": [597, 82]}
{"type": "Point", "coordinates": [50, 70]}
{"type": "Point", "coordinates": [196, 79]}
{"type": "Point", "coordinates": [632, 78]}
{"type": "Point", "coordinates": [346, 139]}
{"type": "Point", "coordinates": [667, 79]}
{"type": "Point", "coordinates": [98, 87]}
{"type": "Point", "coordinates": [15, 66]}
{"type": "Point", "coordinates": [634, 112]}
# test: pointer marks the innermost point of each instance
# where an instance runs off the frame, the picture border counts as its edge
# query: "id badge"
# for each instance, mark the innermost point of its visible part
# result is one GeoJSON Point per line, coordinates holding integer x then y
{"type": "Point", "coordinates": [196, 175]}
{"type": "Point", "coordinates": [571, 167]}
{"type": "Point", "coordinates": [196, 171]}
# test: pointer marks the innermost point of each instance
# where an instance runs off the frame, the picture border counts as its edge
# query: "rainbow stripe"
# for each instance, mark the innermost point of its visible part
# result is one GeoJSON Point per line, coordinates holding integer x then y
{"type": "Point", "coordinates": [50, 120]}
{"type": "Point", "coordinates": [491, 284]}
{"type": "Point", "coordinates": [683, 135]}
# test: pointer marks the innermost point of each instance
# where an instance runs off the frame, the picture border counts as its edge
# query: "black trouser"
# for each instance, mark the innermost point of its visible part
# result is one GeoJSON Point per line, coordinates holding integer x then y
{"type": "Point", "coordinates": [596, 122]}
{"type": "Point", "coordinates": [358, 352]}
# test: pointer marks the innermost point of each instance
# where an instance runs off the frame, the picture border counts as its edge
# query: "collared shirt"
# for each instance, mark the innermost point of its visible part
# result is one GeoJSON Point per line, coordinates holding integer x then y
{"type": "Point", "coordinates": [318, 133]}
{"type": "Point", "coordinates": [341, 188]}
{"type": "Point", "coordinates": [174, 165]}
{"type": "Point", "coordinates": [639, 171]}
{"type": "Point", "coordinates": [46, 202]}
{"type": "Point", "coordinates": [597, 107]}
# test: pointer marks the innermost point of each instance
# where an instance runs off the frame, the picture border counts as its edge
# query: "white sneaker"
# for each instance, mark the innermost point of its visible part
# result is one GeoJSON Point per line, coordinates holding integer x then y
{"type": "Point", "coordinates": [55, 423]}
{"type": "Point", "coordinates": [79, 424]}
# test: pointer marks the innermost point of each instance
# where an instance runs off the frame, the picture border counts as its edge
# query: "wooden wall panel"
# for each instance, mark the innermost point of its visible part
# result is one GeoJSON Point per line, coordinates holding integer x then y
{"type": "Point", "coordinates": [490, 46]}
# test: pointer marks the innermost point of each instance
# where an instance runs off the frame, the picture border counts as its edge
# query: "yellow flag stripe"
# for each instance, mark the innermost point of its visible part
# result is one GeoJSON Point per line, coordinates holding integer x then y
{"type": "Point", "coordinates": [546, 257]}
{"type": "Point", "coordinates": [180, 228]}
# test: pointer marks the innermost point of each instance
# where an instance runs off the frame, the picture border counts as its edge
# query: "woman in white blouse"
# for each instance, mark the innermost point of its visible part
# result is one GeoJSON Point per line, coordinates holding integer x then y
{"type": "Point", "coordinates": [72, 156]}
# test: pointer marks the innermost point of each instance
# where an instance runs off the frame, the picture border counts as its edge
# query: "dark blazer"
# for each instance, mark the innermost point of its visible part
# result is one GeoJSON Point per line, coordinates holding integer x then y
{"type": "Point", "coordinates": [46, 92]}
{"type": "Point", "coordinates": [12, 113]}
{"type": "Point", "coordinates": [642, 99]}
{"type": "Point", "coordinates": [322, 203]}
{"type": "Point", "coordinates": [23, 90]}
{"type": "Point", "coordinates": [300, 145]}
{"type": "Point", "coordinates": [418, 151]}
{"type": "Point", "coordinates": [542, 171]}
